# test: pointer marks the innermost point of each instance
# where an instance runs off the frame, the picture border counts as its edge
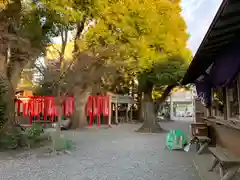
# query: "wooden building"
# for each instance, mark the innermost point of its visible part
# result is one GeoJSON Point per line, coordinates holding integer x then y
{"type": "Point", "coordinates": [215, 72]}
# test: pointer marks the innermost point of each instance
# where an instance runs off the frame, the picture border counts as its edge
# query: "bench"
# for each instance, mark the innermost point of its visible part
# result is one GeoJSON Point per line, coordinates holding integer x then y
{"type": "Point", "coordinates": [228, 163]}
{"type": "Point", "coordinates": [204, 142]}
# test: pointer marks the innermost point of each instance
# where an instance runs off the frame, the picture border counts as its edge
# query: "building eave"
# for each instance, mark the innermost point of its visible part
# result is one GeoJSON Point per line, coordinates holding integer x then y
{"type": "Point", "coordinates": [224, 29]}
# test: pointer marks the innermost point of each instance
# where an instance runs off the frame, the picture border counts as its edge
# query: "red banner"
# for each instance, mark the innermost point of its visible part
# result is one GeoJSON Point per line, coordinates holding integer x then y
{"type": "Point", "coordinates": [95, 106]}
{"type": "Point", "coordinates": [25, 109]}
{"type": "Point", "coordinates": [89, 106]}
{"type": "Point", "coordinates": [50, 107]}
{"type": "Point", "coordinates": [105, 108]}
{"type": "Point", "coordinates": [99, 104]}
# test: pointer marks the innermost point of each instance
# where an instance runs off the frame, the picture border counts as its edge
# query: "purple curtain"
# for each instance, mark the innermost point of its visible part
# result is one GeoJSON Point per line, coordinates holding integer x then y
{"type": "Point", "coordinates": [226, 67]}
{"type": "Point", "coordinates": [203, 89]}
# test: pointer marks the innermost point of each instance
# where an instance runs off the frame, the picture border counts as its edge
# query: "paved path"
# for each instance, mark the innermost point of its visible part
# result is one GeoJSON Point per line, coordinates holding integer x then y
{"type": "Point", "coordinates": [106, 154]}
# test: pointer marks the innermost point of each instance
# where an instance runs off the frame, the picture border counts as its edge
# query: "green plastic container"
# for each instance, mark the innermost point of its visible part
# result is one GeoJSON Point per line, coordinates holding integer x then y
{"type": "Point", "coordinates": [176, 139]}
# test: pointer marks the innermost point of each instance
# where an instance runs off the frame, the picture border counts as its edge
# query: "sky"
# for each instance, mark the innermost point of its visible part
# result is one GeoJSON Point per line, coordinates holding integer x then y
{"type": "Point", "coordinates": [198, 15]}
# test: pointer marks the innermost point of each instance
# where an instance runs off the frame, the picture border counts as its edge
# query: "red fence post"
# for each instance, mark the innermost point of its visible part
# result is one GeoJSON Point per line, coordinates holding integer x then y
{"type": "Point", "coordinates": [95, 107]}
{"type": "Point", "coordinates": [99, 109]}
{"type": "Point", "coordinates": [106, 106]}
{"type": "Point", "coordinates": [90, 110]}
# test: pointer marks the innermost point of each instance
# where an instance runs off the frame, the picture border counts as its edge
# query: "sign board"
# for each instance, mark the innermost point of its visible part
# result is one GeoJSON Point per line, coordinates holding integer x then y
{"type": "Point", "coordinates": [123, 99]}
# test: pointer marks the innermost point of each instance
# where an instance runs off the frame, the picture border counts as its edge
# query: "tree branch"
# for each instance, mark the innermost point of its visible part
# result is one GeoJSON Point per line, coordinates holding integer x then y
{"type": "Point", "coordinates": [165, 94]}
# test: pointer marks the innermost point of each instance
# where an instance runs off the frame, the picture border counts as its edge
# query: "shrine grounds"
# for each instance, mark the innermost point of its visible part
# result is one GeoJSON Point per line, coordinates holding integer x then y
{"type": "Point", "coordinates": [116, 153]}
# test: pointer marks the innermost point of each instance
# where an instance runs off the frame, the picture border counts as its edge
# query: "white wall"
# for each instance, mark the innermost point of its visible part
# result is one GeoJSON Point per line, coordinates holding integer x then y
{"type": "Point", "coordinates": [181, 104]}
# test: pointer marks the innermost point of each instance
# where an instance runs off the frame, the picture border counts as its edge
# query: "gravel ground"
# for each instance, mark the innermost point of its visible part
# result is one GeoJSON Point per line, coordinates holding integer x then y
{"type": "Point", "coordinates": [104, 154]}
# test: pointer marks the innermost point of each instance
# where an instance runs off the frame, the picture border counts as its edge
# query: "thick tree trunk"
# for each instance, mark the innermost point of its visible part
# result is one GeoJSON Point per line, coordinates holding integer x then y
{"type": "Point", "coordinates": [148, 113]}
{"type": "Point", "coordinates": [80, 119]}
{"type": "Point", "coordinates": [10, 72]}
{"type": "Point", "coordinates": [9, 98]}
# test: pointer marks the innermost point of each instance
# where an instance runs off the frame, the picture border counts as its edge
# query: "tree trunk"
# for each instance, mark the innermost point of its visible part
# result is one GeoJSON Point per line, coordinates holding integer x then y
{"type": "Point", "coordinates": [148, 113]}
{"type": "Point", "coordinates": [10, 76]}
{"type": "Point", "coordinates": [165, 94]}
{"type": "Point", "coordinates": [79, 118]}
{"type": "Point", "coordinates": [139, 115]}
{"type": "Point", "coordinates": [9, 98]}
{"type": "Point", "coordinates": [80, 27]}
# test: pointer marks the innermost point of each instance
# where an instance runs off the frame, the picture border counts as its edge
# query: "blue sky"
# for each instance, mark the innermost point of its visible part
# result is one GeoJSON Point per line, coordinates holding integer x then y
{"type": "Point", "coordinates": [198, 15]}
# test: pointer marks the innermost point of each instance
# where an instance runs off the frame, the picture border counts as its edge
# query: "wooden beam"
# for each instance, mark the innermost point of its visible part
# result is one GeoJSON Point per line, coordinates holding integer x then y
{"type": "Point", "coordinates": [226, 26]}
{"type": "Point", "coordinates": [225, 22]}
{"type": "Point", "coordinates": [206, 55]}
{"type": "Point", "coordinates": [220, 35]}
{"type": "Point", "coordinates": [216, 45]}
{"type": "Point", "coordinates": [228, 36]}
{"type": "Point", "coordinates": [226, 30]}
{"type": "Point", "coordinates": [212, 43]}
{"type": "Point", "coordinates": [234, 7]}
{"type": "Point", "coordinates": [210, 51]}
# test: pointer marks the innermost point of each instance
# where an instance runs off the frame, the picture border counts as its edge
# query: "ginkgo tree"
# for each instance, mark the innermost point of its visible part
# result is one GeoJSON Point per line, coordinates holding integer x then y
{"type": "Point", "coordinates": [148, 35]}
{"type": "Point", "coordinates": [151, 36]}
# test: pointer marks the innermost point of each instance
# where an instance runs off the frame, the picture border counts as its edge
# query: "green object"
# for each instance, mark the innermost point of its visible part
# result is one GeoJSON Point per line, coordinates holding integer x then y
{"type": "Point", "coordinates": [176, 139]}
{"type": "Point", "coordinates": [68, 144]}
{"type": "Point", "coordinates": [62, 143]}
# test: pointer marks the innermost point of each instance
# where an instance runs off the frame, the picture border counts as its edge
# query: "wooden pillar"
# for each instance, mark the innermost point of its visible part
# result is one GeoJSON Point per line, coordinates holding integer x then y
{"type": "Point", "coordinates": [110, 110]}
{"type": "Point", "coordinates": [127, 113]}
{"type": "Point", "coordinates": [209, 111]}
{"type": "Point", "coordinates": [172, 116]}
{"type": "Point", "coordinates": [226, 107]}
{"type": "Point", "coordinates": [131, 112]}
{"type": "Point", "coordinates": [116, 112]}
{"type": "Point", "coordinates": [238, 95]}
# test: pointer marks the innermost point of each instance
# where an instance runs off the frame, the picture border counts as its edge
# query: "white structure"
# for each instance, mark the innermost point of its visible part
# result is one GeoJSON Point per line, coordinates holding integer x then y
{"type": "Point", "coordinates": [182, 106]}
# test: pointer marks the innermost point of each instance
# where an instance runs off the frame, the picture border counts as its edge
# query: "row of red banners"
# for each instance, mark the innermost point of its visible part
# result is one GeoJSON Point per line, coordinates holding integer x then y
{"type": "Point", "coordinates": [35, 105]}
{"type": "Point", "coordinates": [97, 106]}
{"type": "Point", "coordinates": [45, 105]}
